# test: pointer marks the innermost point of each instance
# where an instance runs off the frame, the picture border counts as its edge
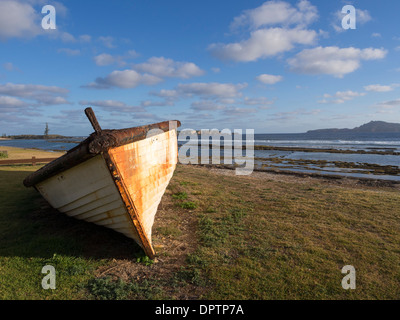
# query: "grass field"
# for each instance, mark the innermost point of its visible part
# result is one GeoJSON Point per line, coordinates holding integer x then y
{"type": "Point", "coordinates": [19, 153]}
{"type": "Point", "coordinates": [217, 236]}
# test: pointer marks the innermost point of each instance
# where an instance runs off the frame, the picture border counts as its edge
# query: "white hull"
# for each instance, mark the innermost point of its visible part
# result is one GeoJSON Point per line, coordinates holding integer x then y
{"type": "Point", "coordinates": [92, 192]}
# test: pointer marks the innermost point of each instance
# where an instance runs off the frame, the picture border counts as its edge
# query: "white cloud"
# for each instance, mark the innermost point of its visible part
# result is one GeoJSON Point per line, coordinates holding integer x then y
{"type": "Point", "coordinates": [211, 90]}
{"type": "Point", "coordinates": [123, 79]}
{"type": "Point", "coordinates": [226, 100]}
{"type": "Point", "coordinates": [362, 17]}
{"type": "Point", "coordinates": [9, 66]}
{"type": "Point", "coordinates": [30, 90]}
{"type": "Point", "coordinates": [277, 12]}
{"type": "Point", "coordinates": [341, 97]}
{"type": "Point", "coordinates": [387, 107]}
{"type": "Point", "coordinates": [348, 95]}
{"type": "Point", "coordinates": [333, 60]}
{"type": "Point", "coordinates": [206, 105]}
{"type": "Point", "coordinates": [70, 52]}
{"type": "Point", "coordinates": [72, 115]}
{"type": "Point", "coordinates": [47, 100]}
{"type": "Point", "coordinates": [105, 59]}
{"type": "Point", "coordinates": [119, 106]}
{"type": "Point", "coordinates": [131, 54]}
{"type": "Point", "coordinates": [112, 106]}
{"type": "Point", "coordinates": [263, 43]}
{"type": "Point", "coordinates": [61, 9]}
{"type": "Point", "coordinates": [160, 103]}
{"type": "Point", "coordinates": [11, 102]}
{"type": "Point", "coordinates": [379, 88]}
{"type": "Point", "coordinates": [149, 73]}
{"type": "Point", "coordinates": [239, 112]}
{"type": "Point", "coordinates": [276, 27]}
{"type": "Point", "coordinates": [213, 95]}
{"type": "Point", "coordinates": [372, 53]}
{"type": "Point", "coordinates": [66, 37]}
{"type": "Point", "coordinates": [261, 102]}
{"type": "Point", "coordinates": [22, 19]}
{"type": "Point", "coordinates": [18, 20]}
{"type": "Point", "coordinates": [389, 104]}
{"type": "Point", "coordinates": [162, 67]}
{"type": "Point", "coordinates": [39, 95]}
{"type": "Point", "coordinates": [269, 78]}
{"type": "Point", "coordinates": [292, 115]}
{"type": "Point", "coordinates": [165, 93]}
{"type": "Point", "coordinates": [107, 41]}
{"type": "Point", "coordinates": [376, 35]}
{"type": "Point", "coordinates": [85, 38]}
{"type": "Point", "coordinates": [147, 116]}
{"type": "Point", "coordinates": [130, 79]}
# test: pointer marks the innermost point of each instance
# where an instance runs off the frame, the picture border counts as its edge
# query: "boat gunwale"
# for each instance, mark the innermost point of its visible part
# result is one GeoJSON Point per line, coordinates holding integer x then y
{"type": "Point", "coordinates": [97, 143]}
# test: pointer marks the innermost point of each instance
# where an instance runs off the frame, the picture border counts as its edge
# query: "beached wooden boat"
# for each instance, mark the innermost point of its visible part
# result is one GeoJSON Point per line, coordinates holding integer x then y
{"type": "Point", "coordinates": [114, 178]}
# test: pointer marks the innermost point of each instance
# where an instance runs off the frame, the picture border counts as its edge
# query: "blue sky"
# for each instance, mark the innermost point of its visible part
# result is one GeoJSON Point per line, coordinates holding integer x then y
{"type": "Point", "coordinates": [272, 66]}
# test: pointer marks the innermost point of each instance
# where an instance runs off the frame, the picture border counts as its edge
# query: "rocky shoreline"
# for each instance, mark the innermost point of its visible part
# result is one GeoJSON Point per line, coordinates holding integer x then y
{"type": "Point", "coordinates": [330, 178]}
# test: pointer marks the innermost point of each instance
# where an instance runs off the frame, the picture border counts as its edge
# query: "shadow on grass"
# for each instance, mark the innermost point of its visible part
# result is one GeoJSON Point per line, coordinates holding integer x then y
{"type": "Point", "coordinates": [30, 227]}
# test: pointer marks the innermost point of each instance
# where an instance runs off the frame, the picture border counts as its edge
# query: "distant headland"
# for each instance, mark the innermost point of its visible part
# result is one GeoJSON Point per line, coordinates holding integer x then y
{"type": "Point", "coordinates": [370, 127]}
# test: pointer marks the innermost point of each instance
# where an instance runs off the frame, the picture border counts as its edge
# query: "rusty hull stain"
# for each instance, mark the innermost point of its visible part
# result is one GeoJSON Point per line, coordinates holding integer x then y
{"type": "Point", "coordinates": [142, 182]}
{"type": "Point", "coordinates": [130, 206]}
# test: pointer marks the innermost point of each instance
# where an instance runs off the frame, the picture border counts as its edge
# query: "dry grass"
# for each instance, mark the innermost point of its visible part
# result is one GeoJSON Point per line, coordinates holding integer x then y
{"type": "Point", "coordinates": [20, 153]}
{"type": "Point", "coordinates": [278, 237]}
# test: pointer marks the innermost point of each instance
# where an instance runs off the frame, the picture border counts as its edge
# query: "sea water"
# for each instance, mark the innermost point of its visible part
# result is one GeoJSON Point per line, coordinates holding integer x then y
{"type": "Point", "coordinates": [293, 160]}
